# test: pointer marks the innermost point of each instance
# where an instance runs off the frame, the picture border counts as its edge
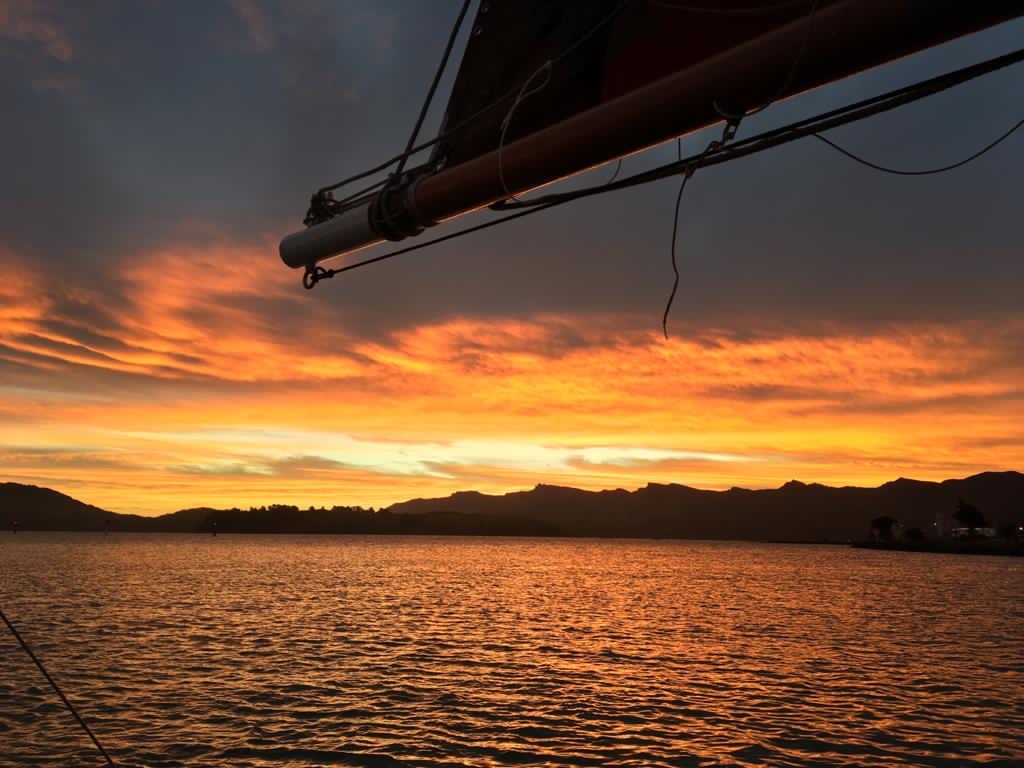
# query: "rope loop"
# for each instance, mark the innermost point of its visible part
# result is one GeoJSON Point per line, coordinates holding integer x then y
{"type": "Point", "coordinates": [525, 92]}
{"type": "Point", "coordinates": [314, 274]}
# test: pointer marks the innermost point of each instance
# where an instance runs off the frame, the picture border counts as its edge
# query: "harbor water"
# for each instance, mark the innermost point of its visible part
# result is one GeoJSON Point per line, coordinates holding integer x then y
{"type": "Point", "coordinates": [184, 650]}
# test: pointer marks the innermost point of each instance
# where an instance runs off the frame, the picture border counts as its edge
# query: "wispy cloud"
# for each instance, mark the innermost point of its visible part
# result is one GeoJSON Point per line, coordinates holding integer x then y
{"type": "Point", "coordinates": [258, 24]}
{"type": "Point", "coordinates": [35, 22]}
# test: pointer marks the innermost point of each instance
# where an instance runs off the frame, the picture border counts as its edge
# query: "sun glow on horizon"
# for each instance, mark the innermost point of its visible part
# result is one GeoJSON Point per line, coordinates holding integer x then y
{"type": "Point", "coordinates": [185, 397]}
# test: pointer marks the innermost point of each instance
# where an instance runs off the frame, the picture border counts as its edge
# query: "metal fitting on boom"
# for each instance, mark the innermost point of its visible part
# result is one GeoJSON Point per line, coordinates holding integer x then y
{"type": "Point", "coordinates": [390, 215]}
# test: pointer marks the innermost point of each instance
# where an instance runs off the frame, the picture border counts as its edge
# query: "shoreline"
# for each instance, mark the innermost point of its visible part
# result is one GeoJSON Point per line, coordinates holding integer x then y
{"type": "Point", "coordinates": [1002, 547]}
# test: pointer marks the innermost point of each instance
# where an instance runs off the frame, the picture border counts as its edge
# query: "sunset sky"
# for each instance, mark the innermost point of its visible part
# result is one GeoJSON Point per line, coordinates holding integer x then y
{"type": "Point", "coordinates": [833, 324]}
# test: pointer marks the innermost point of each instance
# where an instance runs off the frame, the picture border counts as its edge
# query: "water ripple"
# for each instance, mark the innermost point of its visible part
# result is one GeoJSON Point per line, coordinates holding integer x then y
{"type": "Point", "coordinates": [350, 651]}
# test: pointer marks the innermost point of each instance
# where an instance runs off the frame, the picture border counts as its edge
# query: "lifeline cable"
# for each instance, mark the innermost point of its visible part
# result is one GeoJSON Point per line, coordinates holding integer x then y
{"type": "Point", "coordinates": [800, 129]}
{"type": "Point", "coordinates": [53, 684]}
{"type": "Point", "coordinates": [927, 171]}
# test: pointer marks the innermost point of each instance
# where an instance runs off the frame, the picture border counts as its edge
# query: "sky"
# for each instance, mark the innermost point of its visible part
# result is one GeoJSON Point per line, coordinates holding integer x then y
{"type": "Point", "coordinates": [833, 324]}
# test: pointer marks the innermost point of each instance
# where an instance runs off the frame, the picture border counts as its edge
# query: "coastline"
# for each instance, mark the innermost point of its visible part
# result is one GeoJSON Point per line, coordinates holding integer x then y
{"type": "Point", "coordinates": [1002, 547]}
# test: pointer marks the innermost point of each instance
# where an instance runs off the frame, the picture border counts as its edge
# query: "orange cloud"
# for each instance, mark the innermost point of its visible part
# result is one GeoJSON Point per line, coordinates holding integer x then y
{"type": "Point", "coordinates": [197, 387]}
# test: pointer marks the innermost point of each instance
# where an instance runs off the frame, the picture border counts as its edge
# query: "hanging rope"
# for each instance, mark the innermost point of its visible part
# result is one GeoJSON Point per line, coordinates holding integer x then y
{"type": "Point", "coordinates": [728, 133]}
{"type": "Point", "coordinates": [53, 684]}
{"type": "Point", "coordinates": [524, 93]}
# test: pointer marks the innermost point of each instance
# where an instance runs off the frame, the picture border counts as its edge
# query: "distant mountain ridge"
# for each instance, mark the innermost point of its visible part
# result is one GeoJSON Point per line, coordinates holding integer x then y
{"type": "Point", "coordinates": [793, 512]}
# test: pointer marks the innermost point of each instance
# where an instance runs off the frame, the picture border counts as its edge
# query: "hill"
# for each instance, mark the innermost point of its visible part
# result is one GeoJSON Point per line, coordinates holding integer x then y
{"type": "Point", "coordinates": [42, 509]}
{"type": "Point", "coordinates": [794, 512]}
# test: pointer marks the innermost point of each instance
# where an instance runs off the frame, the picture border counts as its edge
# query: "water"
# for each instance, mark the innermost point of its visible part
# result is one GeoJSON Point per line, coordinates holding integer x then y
{"type": "Point", "coordinates": [363, 651]}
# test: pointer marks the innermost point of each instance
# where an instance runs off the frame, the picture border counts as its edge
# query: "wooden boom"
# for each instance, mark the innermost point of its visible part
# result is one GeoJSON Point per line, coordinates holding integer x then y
{"type": "Point", "coordinates": [841, 38]}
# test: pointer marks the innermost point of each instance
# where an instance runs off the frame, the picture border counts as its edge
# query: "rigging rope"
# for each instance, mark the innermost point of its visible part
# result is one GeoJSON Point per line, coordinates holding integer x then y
{"type": "Point", "coordinates": [524, 93]}
{"type": "Point", "coordinates": [615, 173]}
{"type": "Point", "coordinates": [323, 206]}
{"type": "Point", "coordinates": [448, 133]}
{"type": "Point", "coordinates": [433, 87]}
{"type": "Point", "coordinates": [790, 74]}
{"type": "Point", "coordinates": [53, 684]}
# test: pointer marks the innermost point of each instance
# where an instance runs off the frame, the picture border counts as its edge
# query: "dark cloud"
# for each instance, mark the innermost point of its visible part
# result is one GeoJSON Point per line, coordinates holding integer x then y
{"type": "Point", "coordinates": [1009, 443]}
{"type": "Point", "coordinates": [235, 469]}
{"type": "Point", "coordinates": [965, 402]}
{"type": "Point", "coordinates": [764, 393]}
{"type": "Point", "coordinates": [61, 349]}
{"type": "Point", "coordinates": [16, 359]}
{"type": "Point", "coordinates": [910, 466]}
{"type": "Point", "coordinates": [83, 334]}
{"type": "Point", "coordinates": [135, 127]}
{"type": "Point", "coordinates": [290, 467]}
{"type": "Point", "coordinates": [646, 466]}
{"type": "Point", "coordinates": [16, 457]}
{"type": "Point", "coordinates": [311, 466]}
{"type": "Point", "coordinates": [90, 375]}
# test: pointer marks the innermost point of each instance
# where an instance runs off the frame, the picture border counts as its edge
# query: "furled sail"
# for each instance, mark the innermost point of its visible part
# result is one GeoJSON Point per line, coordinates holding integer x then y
{"type": "Point", "coordinates": [549, 88]}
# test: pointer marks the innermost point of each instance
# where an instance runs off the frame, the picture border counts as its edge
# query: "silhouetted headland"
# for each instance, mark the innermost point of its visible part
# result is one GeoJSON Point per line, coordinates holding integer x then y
{"type": "Point", "coordinates": [795, 512]}
{"type": "Point", "coordinates": [963, 530]}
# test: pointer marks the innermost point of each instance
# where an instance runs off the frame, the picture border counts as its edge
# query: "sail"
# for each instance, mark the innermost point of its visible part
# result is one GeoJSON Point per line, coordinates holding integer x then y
{"type": "Point", "coordinates": [596, 52]}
